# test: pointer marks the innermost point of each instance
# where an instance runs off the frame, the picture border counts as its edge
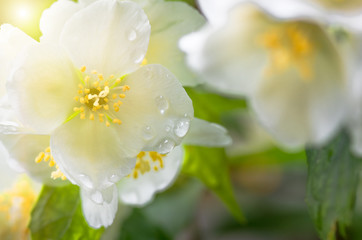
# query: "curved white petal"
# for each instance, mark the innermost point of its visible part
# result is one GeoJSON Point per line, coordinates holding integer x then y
{"type": "Point", "coordinates": [9, 122]}
{"type": "Point", "coordinates": [156, 109]}
{"type": "Point", "coordinates": [7, 174]}
{"type": "Point", "coordinates": [100, 208]}
{"type": "Point", "coordinates": [297, 109]}
{"type": "Point", "coordinates": [204, 133]}
{"type": "Point", "coordinates": [23, 149]}
{"type": "Point", "coordinates": [42, 87]}
{"type": "Point", "coordinates": [170, 21]}
{"type": "Point", "coordinates": [229, 58]}
{"type": "Point", "coordinates": [54, 18]}
{"type": "Point", "coordinates": [12, 42]}
{"type": "Point", "coordinates": [86, 2]}
{"type": "Point", "coordinates": [109, 36]}
{"type": "Point", "coordinates": [92, 155]}
{"type": "Point", "coordinates": [139, 191]}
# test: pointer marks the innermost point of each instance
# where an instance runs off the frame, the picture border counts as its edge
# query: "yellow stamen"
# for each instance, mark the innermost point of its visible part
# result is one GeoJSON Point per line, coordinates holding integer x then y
{"type": "Point", "coordinates": [83, 68]}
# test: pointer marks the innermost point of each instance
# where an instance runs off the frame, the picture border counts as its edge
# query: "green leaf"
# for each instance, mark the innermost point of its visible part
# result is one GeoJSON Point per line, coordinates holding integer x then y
{"type": "Point", "coordinates": [58, 215]}
{"type": "Point", "coordinates": [211, 107]}
{"type": "Point", "coordinates": [332, 185]}
{"type": "Point", "coordinates": [210, 166]}
{"type": "Point", "coordinates": [138, 227]}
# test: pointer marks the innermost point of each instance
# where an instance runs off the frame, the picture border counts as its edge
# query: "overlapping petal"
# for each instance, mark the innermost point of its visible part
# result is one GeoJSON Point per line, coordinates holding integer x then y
{"type": "Point", "coordinates": [54, 18]}
{"type": "Point", "coordinates": [92, 155]}
{"type": "Point", "coordinates": [12, 42]}
{"type": "Point", "coordinates": [170, 21]}
{"type": "Point", "coordinates": [100, 212]}
{"type": "Point", "coordinates": [109, 36]}
{"type": "Point", "coordinates": [157, 109]}
{"type": "Point", "coordinates": [42, 87]}
{"type": "Point", "coordinates": [23, 149]}
{"type": "Point", "coordinates": [141, 190]}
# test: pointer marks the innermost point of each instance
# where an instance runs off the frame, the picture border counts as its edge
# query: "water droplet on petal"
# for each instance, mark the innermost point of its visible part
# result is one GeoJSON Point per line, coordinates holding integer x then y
{"type": "Point", "coordinates": [97, 197]}
{"type": "Point", "coordinates": [86, 181]}
{"type": "Point", "coordinates": [148, 133]}
{"type": "Point", "coordinates": [168, 128]}
{"type": "Point", "coordinates": [162, 104]}
{"type": "Point", "coordinates": [166, 146]}
{"type": "Point", "coordinates": [115, 178]}
{"type": "Point", "coordinates": [140, 59]}
{"type": "Point", "coordinates": [132, 35]}
{"type": "Point", "coordinates": [182, 127]}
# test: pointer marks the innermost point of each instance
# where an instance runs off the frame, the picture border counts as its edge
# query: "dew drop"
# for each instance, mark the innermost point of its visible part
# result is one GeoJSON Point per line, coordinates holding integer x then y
{"type": "Point", "coordinates": [162, 104]}
{"type": "Point", "coordinates": [97, 197]}
{"type": "Point", "coordinates": [147, 133]}
{"type": "Point", "coordinates": [140, 59]}
{"type": "Point", "coordinates": [132, 35]}
{"type": "Point", "coordinates": [166, 146]}
{"type": "Point", "coordinates": [115, 178]}
{"type": "Point", "coordinates": [182, 127]}
{"type": "Point", "coordinates": [86, 181]}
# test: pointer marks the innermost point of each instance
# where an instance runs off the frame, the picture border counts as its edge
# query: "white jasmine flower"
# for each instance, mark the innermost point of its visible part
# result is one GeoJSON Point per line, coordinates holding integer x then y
{"type": "Point", "coordinates": [290, 71]}
{"type": "Point", "coordinates": [155, 172]}
{"type": "Point", "coordinates": [169, 21]}
{"type": "Point", "coordinates": [100, 108]}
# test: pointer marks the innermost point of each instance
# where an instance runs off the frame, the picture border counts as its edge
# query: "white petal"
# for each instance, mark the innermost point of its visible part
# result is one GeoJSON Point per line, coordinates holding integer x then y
{"type": "Point", "coordinates": [156, 109]}
{"type": "Point", "coordinates": [42, 87]}
{"type": "Point", "coordinates": [23, 149]}
{"type": "Point", "coordinates": [141, 190]}
{"type": "Point", "coordinates": [229, 57]}
{"type": "Point", "coordinates": [96, 213]}
{"type": "Point", "coordinates": [86, 2]}
{"type": "Point", "coordinates": [53, 19]}
{"type": "Point", "coordinates": [215, 10]}
{"type": "Point", "coordinates": [9, 122]}
{"type": "Point", "coordinates": [109, 36]}
{"type": "Point", "coordinates": [170, 21]}
{"type": "Point", "coordinates": [204, 133]}
{"type": "Point", "coordinates": [12, 41]}
{"type": "Point", "coordinates": [92, 155]}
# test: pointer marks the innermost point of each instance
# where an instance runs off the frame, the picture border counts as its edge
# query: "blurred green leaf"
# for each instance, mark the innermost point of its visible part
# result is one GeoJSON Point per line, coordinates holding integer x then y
{"type": "Point", "coordinates": [211, 107]}
{"type": "Point", "coordinates": [332, 185]}
{"type": "Point", "coordinates": [138, 227]}
{"type": "Point", "coordinates": [58, 215]}
{"type": "Point", "coordinates": [210, 166]}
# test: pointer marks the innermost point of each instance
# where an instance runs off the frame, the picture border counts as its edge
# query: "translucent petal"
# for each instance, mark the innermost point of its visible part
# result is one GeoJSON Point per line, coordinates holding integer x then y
{"type": "Point", "coordinates": [54, 18]}
{"type": "Point", "coordinates": [204, 133]}
{"type": "Point", "coordinates": [141, 190]}
{"type": "Point", "coordinates": [42, 87]}
{"type": "Point", "coordinates": [23, 149]}
{"type": "Point", "coordinates": [156, 110]}
{"type": "Point", "coordinates": [12, 42]}
{"type": "Point", "coordinates": [100, 213]}
{"type": "Point", "coordinates": [170, 21]}
{"type": "Point", "coordinates": [108, 36]}
{"type": "Point", "coordinates": [92, 155]}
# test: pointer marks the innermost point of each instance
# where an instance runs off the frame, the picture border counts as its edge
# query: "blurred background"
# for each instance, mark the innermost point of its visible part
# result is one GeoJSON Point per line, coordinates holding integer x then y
{"type": "Point", "coordinates": [268, 183]}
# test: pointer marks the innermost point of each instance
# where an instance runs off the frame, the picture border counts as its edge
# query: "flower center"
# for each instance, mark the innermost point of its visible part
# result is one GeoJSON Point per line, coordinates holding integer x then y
{"type": "Point", "coordinates": [47, 157]}
{"type": "Point", "coordinates": [100, 97]}
{"type": "Point", "coordinates": [146, 162]}
{"type": "Point", "coordinates": [288, 46]}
